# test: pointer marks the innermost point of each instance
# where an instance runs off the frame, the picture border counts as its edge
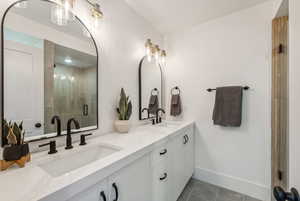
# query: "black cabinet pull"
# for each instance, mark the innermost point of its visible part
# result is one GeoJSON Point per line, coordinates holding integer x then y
{"type": "Point", "coordinates": [38, 125]}
{"type": "Point", "coordinates": [103, 195]}
{"type": "Point", "coordinates": [164, 177]}
{"type": "Point", "coordinates": [116, 191]}
{"type": "Point", "coordinates": [185, 139]}
{"type": "Point", "coordinates": [163, 152]}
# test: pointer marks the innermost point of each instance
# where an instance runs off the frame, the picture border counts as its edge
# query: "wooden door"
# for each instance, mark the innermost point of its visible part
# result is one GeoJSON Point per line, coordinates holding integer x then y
{"type": "Point", "coordinates": [280, 101]}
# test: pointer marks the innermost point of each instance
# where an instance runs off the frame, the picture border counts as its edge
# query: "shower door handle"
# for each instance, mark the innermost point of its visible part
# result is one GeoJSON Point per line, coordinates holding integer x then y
{"type": "Point", "coordinates": [85, 110]}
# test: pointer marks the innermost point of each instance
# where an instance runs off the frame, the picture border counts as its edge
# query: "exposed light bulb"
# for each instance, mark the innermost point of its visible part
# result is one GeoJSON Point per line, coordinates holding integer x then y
{"type": "Point", "coordinates": [163, 57]}
{"type": "Point", "coordinates": [22, 4]}
{"type": "Point", "coordinates": [68, 5]}
{"type": "Point", "coordinates": [63, 77]}
{"type": "Point", "coordinates": [58, 15]}
{"type": "Point", "coordinates": [157, 53]}
{"type": "Point", "coordinates": [148, 49]}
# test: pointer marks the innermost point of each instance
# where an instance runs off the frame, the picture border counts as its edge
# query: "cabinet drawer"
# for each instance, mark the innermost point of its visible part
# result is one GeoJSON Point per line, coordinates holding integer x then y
{"type": "Point", "coordinates": [161, 184]}
{"type": "Point", "coordinates": [160, 154]}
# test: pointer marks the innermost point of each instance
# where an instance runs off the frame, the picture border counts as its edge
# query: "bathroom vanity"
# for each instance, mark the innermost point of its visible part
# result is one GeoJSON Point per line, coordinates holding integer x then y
{"type": "Point", "coordinates": [151, 163]}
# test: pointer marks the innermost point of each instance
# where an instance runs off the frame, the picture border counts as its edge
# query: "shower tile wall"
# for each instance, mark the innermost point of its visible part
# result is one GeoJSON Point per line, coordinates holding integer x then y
{"type": "Point", "coordinates": [67, 89]}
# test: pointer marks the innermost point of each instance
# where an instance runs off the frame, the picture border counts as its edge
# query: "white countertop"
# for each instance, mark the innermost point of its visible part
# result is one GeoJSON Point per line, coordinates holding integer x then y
{"type": "Point", "coordinates": [32, 183]}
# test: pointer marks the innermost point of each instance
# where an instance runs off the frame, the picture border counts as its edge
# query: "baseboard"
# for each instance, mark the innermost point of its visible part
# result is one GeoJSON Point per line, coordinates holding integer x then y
{"type": "Point", "coordinates": [254, 190]}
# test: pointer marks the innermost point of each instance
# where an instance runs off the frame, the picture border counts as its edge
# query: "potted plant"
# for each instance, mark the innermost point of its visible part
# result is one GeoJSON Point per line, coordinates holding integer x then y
{"type": "Point", "coordinates": [15, 149]}
{"type": "Point", "coordinates": [124, 110]}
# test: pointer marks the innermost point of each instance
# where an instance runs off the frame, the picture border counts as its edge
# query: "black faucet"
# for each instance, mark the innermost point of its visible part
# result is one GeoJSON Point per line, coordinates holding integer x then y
{"type": "Point", "coordinates": [52, 147]}
{"type": "Point", "coordinates": [158, 118]}
{"type": "Point", "coordinates": [58, 124]}
{"type": "Point", "coordinates": [69, 138]}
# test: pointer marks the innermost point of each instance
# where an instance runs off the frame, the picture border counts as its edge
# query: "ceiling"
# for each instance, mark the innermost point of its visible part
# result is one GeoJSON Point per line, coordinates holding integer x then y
{"type": "Point", "coordinates": [171, 15]}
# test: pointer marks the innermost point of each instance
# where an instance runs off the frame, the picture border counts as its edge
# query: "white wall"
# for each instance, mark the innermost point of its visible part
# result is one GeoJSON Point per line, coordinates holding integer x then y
{"type": "Point", "coordinates": [232, 50]}
{"type": "Point", "coordinates": [294, 90]}
{"type": "Point", "coordinates": [120, 40]}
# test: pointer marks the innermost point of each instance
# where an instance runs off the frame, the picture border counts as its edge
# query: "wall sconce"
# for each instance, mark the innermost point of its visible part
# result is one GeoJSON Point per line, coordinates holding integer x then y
{"type": "Point", "coordinates": [154, 51]}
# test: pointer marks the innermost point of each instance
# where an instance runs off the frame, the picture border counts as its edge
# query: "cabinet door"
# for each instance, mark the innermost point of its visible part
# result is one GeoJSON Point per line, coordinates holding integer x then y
{"type": "Point", "coordinates": [98, 192]}
{"type": "Point", "coordinates": [189, 152]}
{"type": "Point", "coordinates": [178, 172]}
{"type": "Point", "coordinates": [132, 183]}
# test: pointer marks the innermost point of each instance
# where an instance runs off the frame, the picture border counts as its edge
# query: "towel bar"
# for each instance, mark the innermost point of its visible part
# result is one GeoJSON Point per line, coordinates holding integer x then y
{"type": "Point", "coordinates": [209, 90]}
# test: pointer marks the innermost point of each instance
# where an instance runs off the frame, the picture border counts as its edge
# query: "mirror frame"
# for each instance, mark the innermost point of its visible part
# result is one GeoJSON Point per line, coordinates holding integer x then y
{"type": "Point", "coordinates": [43, 137]}
{"type": "Point", "coordinates": [140, 88]}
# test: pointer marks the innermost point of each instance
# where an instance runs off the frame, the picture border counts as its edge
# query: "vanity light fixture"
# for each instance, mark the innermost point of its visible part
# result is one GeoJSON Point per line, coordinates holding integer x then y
{"type": "Point", "coordinates": [22, 4]}
{"type": "Point", "coordinates": [152, 50]}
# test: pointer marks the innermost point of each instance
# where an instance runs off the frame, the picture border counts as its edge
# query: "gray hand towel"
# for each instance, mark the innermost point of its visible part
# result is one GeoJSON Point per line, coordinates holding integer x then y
{"type": "Point", "coordinates": [228, 106]}
{"type": "Point", "coordinates": [175, 105]}
{"type": "Point", "coordinates": [153, 104]}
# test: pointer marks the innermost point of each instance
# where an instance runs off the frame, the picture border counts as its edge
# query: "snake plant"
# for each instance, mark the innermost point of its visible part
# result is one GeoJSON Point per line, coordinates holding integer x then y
{"type": "Point", "coordinates": [125, 106]}
{"type": "Point", "coordinates": [13, 133]}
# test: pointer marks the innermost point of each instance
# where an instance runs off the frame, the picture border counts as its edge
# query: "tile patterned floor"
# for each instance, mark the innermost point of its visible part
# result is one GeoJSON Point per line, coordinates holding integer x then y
{"type": "Point", "coordinates": [197, 190]}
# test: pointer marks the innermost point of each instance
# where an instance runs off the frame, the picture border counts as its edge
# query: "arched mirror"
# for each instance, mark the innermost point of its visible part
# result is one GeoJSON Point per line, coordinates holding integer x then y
{"type": "Point", "coordinates": [150, 88]}
{"type": "Point", "coordinates": [49, 68]}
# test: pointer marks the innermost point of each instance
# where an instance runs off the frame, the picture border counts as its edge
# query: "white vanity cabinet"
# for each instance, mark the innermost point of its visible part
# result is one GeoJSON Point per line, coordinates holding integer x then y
{"type": "Point", "coordinates": [131, 183]}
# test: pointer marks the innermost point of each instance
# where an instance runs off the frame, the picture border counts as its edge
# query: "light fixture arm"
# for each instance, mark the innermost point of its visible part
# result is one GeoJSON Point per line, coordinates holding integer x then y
{"type": "Point", "coordinates": [91, 3]}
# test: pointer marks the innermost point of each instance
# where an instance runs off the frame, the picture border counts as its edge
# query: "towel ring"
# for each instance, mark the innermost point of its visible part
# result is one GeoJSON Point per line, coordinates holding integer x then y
{"type": "Point", "coordinates": [154, 90]}
{"type": "Point", "coordinates": [175, 89]}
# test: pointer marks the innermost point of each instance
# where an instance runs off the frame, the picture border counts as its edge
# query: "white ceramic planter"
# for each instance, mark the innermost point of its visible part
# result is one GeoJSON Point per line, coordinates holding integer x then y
{"type": "Point", "coordinates": [122, 126]}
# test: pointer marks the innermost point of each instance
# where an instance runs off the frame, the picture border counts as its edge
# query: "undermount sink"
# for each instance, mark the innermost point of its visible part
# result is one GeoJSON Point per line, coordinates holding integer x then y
{"type": "Point", "coordinates": [70, 160]}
